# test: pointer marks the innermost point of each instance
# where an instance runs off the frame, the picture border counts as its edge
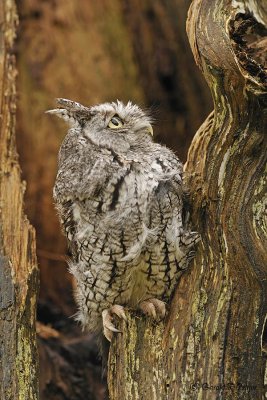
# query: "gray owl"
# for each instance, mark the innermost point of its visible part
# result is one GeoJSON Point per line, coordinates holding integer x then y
{"type": "Point", "coordinates": [119, 196]}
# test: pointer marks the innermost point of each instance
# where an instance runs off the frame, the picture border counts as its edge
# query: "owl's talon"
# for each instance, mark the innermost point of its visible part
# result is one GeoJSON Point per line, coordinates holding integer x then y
{"type": "Point", "coordinates": [108, 334]}
{"type": "Point", "coordinates": [153, 307]}
{"type": "Point", "coordinates": [107, 317]}
{"type": "Point", "coordinates": [148, 308]}
{"type": "Point", "coordinates": [119, 311]}
{"type": "Point", "coordinates": [112, 328]}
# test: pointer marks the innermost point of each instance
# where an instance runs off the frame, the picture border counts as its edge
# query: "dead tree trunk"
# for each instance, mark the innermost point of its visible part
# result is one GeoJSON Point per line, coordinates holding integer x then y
{"type": "Point", "coordinates": [18, 270]}
{"type": "Point", "coordinates": [212, 344]}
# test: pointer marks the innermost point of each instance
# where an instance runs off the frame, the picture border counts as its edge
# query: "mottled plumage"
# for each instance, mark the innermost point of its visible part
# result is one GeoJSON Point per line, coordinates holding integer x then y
{"type": "Point", "coordinates": [120, 200]}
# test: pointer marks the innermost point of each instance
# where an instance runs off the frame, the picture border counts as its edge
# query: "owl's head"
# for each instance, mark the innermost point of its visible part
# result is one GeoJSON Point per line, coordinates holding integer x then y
{"type": "Point", "coordinates": [108, 124]}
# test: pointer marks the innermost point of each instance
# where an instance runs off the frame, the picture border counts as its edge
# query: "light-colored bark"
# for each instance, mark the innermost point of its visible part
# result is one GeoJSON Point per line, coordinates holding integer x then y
{"type": "Point", "coordinates": [211, 345]}
{"type": "Point", "coordinates": [18, 270]}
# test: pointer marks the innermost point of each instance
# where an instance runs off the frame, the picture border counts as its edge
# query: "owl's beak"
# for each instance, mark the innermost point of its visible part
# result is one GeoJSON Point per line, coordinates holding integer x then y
{"type": "Point", "coordinates": [149, 129]}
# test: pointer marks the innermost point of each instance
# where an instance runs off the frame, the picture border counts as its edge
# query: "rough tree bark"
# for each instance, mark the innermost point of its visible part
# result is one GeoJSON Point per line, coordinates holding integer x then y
{"type": "Point", "coordinates": [212, 344]}
{"type": "Point", "coordinates": [18, 271]}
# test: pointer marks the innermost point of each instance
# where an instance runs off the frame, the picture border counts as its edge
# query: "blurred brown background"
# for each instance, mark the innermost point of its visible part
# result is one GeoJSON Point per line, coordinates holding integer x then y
{"type": "Point", "coordinates": [92, 52]}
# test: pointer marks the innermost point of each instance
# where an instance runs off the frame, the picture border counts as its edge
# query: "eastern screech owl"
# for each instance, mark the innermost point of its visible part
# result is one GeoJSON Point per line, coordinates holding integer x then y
{"type": "Point", "coordinates": [120, 200]}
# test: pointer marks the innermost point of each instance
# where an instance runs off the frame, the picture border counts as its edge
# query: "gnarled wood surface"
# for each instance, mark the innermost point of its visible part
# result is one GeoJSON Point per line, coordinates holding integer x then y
{"type": "Point", "coordinates": [212, 344]}
{"type": "Point", "coordinates": [18, 269]}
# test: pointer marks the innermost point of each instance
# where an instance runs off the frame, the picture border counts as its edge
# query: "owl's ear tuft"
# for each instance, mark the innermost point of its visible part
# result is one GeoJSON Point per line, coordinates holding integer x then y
{"type": "Point", "coordinates": [71, 105]}
{"type": "Point", "coordinates": [71, 112]}
{"type": "Point", "coordinates": [72, 118]}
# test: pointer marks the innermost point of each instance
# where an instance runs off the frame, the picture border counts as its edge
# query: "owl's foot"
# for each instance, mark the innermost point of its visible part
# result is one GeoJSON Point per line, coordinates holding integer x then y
{"type": "Point", "coordinates": [107, 317]}
{"type": "Point", "coordinates": [153, 308]}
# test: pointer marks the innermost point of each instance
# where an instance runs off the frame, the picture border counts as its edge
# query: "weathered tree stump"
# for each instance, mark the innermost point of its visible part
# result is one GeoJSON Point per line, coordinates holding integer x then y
{"type": "Point", "coordinates": [212, 344]}
{"type": "Point", "coordinates": [18, 267]}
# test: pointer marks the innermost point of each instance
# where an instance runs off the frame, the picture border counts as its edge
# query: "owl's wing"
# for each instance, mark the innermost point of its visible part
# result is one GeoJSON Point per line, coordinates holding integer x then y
{"type": "Point", "coordinates": [88, 176]}
{"type": "Point", "coordinates": [168, 210]}
{"type": "Point", "coordinates": [66, 214]}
